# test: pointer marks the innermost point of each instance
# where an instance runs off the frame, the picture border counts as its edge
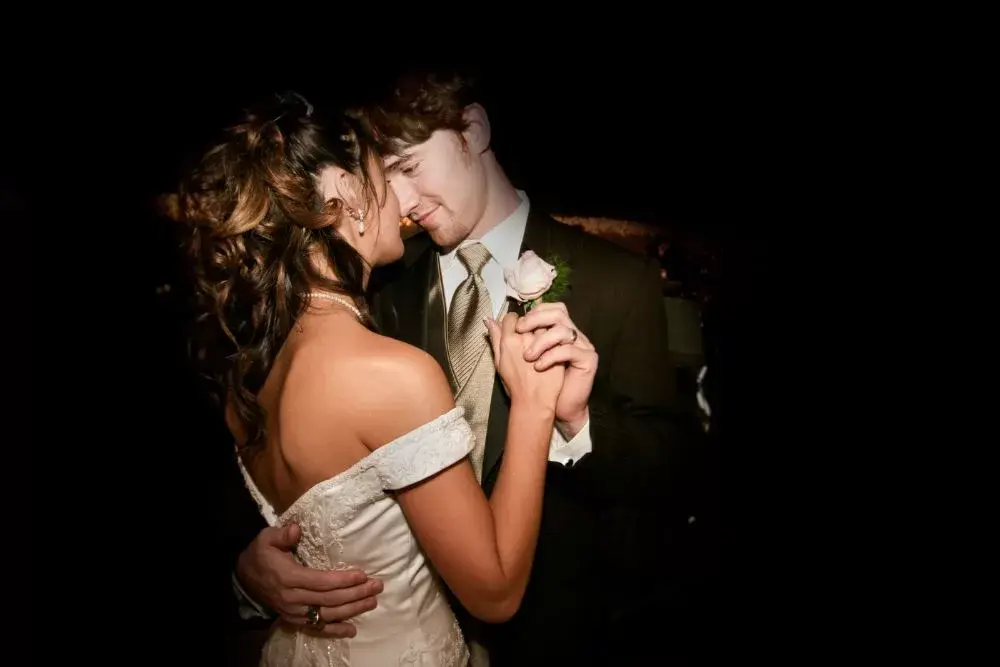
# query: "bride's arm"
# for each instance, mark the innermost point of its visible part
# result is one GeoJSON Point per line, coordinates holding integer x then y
{"type": "Point", "coordinates": [483, 549]}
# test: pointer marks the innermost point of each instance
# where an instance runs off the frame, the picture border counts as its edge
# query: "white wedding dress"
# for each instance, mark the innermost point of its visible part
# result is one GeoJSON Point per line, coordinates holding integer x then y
{"type": "Point", "coordinates": [353, 520]}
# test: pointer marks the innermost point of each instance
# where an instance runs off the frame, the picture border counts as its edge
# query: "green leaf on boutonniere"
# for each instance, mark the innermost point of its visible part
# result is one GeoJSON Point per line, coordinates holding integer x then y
{"type": "Point", "coordinates": [560, 283]}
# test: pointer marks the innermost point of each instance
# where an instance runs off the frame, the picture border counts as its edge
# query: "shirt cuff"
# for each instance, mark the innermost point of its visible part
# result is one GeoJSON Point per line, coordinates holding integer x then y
{"type": "Point", "coordinates": [248, 607]}
{"type": "Point", "coordinates": [568, 453]}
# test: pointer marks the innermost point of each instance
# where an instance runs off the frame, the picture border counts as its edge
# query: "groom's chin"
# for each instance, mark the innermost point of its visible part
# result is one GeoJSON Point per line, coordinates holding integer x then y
{"type": "Point", "coordinates": [441, 239]}
{"type": "Point", "coordinates": [446, 237]}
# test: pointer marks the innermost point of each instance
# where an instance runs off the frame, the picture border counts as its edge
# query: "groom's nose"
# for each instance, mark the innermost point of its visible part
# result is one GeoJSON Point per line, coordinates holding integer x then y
{"type": "Point", "coordinates": [406, 194]}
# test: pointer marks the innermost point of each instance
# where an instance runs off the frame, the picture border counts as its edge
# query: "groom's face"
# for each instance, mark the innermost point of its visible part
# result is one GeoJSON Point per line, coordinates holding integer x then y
{"type": "Point", "coordinates": [441, 184]}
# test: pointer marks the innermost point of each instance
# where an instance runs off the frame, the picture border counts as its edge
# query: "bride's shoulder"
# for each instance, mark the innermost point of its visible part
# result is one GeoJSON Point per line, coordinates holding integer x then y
{"type": "Point", "coordinates": [394, 367]}
{"type": "Point", "coordinates": [367, 355]}
{"type": "Point", "coordinates": [393, 387]}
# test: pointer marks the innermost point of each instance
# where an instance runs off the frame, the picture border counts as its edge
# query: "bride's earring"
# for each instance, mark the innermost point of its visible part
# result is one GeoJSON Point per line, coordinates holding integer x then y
{"type": "Point", "coordinates": [358, 215]}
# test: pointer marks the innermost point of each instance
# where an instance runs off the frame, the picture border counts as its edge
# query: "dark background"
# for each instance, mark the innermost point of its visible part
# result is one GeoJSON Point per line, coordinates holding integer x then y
{"type": "Point", "coordinates": [681, 146]}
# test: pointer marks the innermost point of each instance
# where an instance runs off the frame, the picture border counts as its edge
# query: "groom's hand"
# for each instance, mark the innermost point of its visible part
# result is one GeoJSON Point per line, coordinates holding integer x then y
{"type": "Point", "coordinates": [558, 341]}
{"type": "Point", "coordinates": [270, 574]}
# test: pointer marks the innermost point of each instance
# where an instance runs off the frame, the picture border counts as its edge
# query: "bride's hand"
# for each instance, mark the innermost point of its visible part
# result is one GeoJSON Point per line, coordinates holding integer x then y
{"type": "Point", "coordinates": [522, 382]}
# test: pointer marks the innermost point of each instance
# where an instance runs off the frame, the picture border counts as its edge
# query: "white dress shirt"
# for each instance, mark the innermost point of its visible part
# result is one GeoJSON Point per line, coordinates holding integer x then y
{"type": "Point", "coordinates": [504, 243]}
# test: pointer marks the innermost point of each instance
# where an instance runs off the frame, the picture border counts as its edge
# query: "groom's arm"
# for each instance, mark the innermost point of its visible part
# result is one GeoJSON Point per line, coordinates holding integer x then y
{"type": "Point", "coordinates": [652, 468]}
{"type": "Point", "coordinates": [241, 523]}
{"type": "Point", "coordinates": [268, 582]}
{"type": "Point", "coordinates": [641, 439]}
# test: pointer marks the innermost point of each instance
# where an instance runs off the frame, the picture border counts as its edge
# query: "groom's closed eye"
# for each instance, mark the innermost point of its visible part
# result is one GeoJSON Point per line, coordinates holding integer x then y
{"type": "Point", "coordinates": [407, 168]}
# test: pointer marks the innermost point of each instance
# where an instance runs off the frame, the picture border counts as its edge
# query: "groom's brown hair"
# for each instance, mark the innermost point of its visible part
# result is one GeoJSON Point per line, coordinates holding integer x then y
{"type": "Point", "coordinates": [420, 102]}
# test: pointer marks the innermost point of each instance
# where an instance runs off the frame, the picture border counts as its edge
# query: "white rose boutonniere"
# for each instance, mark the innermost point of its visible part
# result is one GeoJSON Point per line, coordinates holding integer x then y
{"type": "Point", "coordinates": [533, 280]}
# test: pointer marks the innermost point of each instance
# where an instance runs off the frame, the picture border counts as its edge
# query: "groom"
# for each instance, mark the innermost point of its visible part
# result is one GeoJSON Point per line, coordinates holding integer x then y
{"type": "Point", "coordinates": [614, 521]}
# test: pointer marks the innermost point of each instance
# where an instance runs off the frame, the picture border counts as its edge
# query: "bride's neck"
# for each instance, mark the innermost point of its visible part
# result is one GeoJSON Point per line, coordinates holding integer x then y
{"type": "Point", "coordinates": [327, 272]}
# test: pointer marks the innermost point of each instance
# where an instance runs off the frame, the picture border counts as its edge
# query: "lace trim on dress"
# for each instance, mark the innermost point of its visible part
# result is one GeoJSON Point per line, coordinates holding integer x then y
{"type": "Point", "coordinates": [390, 451]}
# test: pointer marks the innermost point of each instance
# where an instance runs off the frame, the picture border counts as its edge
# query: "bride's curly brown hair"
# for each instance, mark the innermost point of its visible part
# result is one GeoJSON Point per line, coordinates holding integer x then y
{"type": "Point", "coordinates": [256, 226]}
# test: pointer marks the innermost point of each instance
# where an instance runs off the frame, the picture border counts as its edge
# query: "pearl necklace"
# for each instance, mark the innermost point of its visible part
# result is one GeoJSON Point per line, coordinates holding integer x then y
{"type": "Point", "coordinates": [339, 299]}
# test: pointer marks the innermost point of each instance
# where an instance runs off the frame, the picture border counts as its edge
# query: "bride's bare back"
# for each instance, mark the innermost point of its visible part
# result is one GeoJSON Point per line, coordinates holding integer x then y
{"type": "Point", "coordinates": [320, 404]}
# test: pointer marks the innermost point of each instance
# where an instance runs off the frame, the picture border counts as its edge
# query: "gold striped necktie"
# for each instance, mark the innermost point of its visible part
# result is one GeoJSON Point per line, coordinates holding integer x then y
{"type": "Point", "coordinates": [469, 305]}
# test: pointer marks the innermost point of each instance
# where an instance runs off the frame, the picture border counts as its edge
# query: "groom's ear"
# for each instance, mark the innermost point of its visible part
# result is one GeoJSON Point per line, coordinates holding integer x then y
{"type": "Point", "coordinates": [477, 130]}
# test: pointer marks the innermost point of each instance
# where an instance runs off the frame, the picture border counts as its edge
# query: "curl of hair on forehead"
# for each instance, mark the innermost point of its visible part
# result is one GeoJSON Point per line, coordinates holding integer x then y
{"type": "Point", "coordinates": [419, 101]}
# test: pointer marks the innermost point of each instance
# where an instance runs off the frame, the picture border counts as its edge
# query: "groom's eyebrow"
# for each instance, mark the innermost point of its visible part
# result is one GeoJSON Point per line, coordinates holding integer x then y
{"type": "Point", "coordinates": [400, 161]}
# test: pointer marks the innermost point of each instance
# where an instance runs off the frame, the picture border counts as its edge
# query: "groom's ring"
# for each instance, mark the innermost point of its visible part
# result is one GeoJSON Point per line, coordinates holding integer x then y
{"type": "Point", "coordinates": [575, 336]}
{"type": "Point", "coordinates": [312, 614]}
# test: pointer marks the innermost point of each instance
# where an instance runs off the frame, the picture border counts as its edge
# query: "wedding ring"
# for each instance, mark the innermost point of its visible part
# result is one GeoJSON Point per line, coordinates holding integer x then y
{"type": "Point", "coordinates": [312, 614]}
{"type": "Point", "coordinates": [575, 335]}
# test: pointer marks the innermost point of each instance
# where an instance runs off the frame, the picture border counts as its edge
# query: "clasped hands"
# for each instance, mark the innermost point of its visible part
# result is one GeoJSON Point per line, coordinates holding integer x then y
{"type": "Point", "coordinates": [558, 341]}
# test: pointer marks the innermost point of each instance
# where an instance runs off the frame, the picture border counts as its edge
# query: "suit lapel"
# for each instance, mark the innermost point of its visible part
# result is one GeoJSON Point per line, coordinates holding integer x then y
{"type": "Point", "coordinates": [537, 234]}
{"type": "Point", "coordinates": [496, 434]}
{"type": "Point", "coordinates": [436, 320]}
{"type": "Point", "coordinates": [547, 237]}
{"type": "Point", "coordinates": [420, 308]}
{"type": "Point", "coordinates": [541, 237]}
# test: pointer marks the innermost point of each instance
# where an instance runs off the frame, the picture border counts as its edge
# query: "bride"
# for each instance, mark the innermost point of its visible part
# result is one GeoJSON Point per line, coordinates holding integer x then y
{"type": "Point", "coordinates": [353, 436]}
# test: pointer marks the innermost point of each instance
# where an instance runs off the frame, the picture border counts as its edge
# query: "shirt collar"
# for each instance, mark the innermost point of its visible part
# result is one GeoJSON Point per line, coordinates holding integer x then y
{"type": "Point", "coordinates": [504, 240]}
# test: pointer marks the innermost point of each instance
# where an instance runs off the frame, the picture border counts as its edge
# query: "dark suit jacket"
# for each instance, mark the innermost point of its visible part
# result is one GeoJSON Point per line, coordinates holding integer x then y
{"type": "Point", "coordinates": [615, 544]}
